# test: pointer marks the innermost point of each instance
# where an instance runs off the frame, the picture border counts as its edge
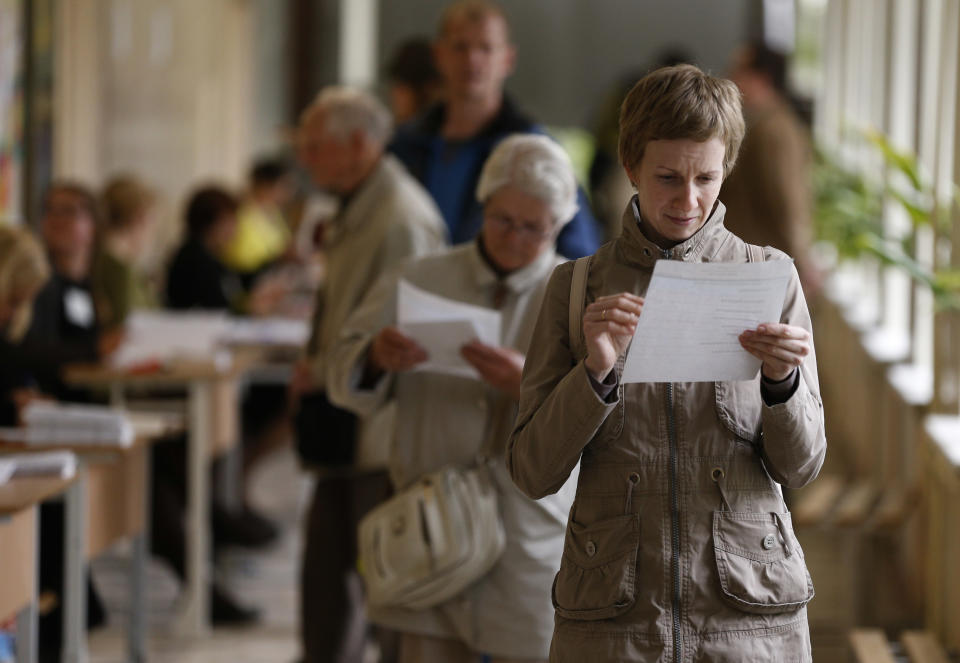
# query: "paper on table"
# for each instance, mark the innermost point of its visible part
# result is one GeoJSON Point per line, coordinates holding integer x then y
{"type": "Point", "coordinates": [164, 336]}
{"type": "Point", "coordinates": [693, 314]}
{"type": "Point", "coordinates": [442, 326]}
{"type": "Point", "coordinates": [57, 464]}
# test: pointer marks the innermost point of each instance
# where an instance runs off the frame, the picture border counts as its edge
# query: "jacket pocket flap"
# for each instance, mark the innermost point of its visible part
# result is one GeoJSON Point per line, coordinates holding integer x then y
{"type": "Point", "coordinates": [760, 563]}
{"type": "Point", "coordinates": [597, 578]}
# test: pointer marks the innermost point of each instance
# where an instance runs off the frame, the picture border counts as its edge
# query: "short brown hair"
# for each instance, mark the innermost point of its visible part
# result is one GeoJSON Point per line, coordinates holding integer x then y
{"type": "Point", "coordinates": [124, 200]}
{"type": "Point", "coordinates": [472, 10]}
{"type": "Point", "coordinates": [681, 102]}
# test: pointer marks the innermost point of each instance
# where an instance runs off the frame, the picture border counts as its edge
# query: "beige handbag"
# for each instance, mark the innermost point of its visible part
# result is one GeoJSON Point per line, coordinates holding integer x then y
{"type": "Point", "coordinates": [430, 541]}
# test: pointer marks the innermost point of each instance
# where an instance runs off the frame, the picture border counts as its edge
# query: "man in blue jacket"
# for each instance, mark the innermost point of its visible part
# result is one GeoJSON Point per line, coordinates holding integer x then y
{"type": "Point", "coordinates": [446, 147]}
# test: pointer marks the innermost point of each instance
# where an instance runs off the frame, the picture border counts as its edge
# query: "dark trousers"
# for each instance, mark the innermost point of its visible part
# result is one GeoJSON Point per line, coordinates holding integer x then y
{"type": "Point", "coordinates": [333, 620]}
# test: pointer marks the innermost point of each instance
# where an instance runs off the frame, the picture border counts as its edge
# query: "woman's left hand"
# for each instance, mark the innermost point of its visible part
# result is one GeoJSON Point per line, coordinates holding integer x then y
{"type": "Point", "coordinates": [501, 368]}
{"type": "Point", "coordinates": [780, 347]}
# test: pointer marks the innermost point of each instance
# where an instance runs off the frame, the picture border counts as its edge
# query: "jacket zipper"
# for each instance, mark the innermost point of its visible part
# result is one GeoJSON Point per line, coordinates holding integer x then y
{"type": "Point", "coordinates": [674, 522]}
{"type": "Point", "coordinates": [674, 516]}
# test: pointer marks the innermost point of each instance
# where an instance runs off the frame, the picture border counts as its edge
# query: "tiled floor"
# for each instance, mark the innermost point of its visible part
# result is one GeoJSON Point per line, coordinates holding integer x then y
{"type": "Point", "coordinates": [266, 578]}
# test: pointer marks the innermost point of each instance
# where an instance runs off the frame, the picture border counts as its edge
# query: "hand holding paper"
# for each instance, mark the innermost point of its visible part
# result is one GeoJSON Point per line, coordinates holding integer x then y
{"type": "Point", "coordinates": [780, 347]}
{"type": "Point", "coordinates": [693, 318]}
{"type": "Point", "coordinates": [393, 351]}
{"type": "Point", "coordinates": [501, 368]}
{"type": "Point", "coordinates": [441, 327]}
{"type": "Point", "coordinates": [608, 327]}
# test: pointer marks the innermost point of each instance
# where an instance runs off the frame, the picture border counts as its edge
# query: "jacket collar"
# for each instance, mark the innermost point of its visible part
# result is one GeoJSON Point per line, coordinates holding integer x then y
{"type": "Point", "coordinates": [517, 281]}
{"type": "Point", "coordinates": [358, 206]}
{"type": "Point", "coordinates": [634, 248]}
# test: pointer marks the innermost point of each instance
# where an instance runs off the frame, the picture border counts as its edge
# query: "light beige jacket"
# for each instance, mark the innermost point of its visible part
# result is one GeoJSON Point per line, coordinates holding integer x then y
{"type": "Point", "coordinates": [443, 420]}
{"type": "Point", "coordinates": [657, 565]}
{"type": "Point", "coordinates": [389, 219]}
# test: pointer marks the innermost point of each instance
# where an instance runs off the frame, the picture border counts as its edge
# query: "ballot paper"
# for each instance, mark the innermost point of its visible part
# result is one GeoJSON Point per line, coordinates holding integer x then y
{"type": "Point", "coordinates": [273, 331]}
{"type": "Point", "coordinates": [693, 314]}
{"type": "Point", "coordinates": [163, 336]}
{"type": "Point", "coordinates": [55, 464]}
{"type": "Point", "coordinates": [442, 326]}
{"type": "Point", "coordinates": [55, 424]}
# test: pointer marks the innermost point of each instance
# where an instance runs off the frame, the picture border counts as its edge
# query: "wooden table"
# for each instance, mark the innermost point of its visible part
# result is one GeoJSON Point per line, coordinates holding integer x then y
{"type": "Point", "coordinates": [212, 429]}
{"type": "Point", "coordinates": [19, 552]}
{"type": "Point", "coordinates": [108, 500]}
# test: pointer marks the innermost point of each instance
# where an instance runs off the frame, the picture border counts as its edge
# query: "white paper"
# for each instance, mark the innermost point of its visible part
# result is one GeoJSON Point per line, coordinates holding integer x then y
{"type": "Point", "coordinates": [55, 423]}
{"type": "Point", "coordinates": [693, 314]}
{"type": "Point", "coordinates": [6, 470]}
{"type": "Point", "coordinates": [56, 464]}
{"type": "Point", "coordinates": [442, 326]}
{"type": "Point", "coordinates": [273, 331]}
{"type": "Point", "coordinates": [156, 336]}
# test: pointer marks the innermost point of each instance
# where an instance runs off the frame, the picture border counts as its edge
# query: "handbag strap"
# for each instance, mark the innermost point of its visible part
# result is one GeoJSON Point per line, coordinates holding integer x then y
{"type": "Point", "coordinates": [578, 296]}
{"type": "Point", "coordinates": [754, 253]}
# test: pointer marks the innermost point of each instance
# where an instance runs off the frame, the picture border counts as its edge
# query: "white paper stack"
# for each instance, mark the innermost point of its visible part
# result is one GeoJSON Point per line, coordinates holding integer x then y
{"type": "Point", "coordinates": [284, 332]}
{"type": "Point", "coordinates": [160, 336]}
{"type": "Point", "coordinates": [51, 464]}
{"type": "Point", "coordinates": [442, 326]}
{"type": "Point", "coordinates": [55, 423]}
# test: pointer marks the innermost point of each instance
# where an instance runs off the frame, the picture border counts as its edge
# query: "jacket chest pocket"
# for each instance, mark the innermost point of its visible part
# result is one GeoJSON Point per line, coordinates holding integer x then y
{"type": "Point", "coordinates": [760, 563]}
{"type": "Point", "coordinates": [597, 578]}
{"type": "Point", "coordinates": [739, 407]}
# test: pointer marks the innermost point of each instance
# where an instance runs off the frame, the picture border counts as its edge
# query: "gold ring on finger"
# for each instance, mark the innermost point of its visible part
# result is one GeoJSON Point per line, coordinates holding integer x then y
{"type": "Point", "coordinates": [603, 314]}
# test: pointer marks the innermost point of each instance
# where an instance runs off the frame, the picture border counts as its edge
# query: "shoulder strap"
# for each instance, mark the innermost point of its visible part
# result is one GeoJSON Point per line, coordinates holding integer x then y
{"type": "Point", "coordinates": [754, 253]}
{"type": "Point", "coordinates": [578, 295]}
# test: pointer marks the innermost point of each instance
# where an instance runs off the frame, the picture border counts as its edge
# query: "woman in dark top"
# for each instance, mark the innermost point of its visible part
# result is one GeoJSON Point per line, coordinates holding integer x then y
{"type": "Point", "coordinates": [23, 271]}
{"type": "Point", "coordinates": [196, 277]}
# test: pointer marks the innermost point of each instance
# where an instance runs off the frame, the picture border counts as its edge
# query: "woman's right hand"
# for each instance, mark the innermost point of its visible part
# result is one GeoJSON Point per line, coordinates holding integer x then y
{"type": "Point", "coordinates": [608, 326]}
{"type": "Point", "coordinates": [392, 351]}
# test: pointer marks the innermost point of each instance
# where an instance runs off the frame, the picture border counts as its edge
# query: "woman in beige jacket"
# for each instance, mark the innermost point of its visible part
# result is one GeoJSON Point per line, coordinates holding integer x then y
{"type": "Point", "coordinates": [679, 545]}
{"type": "Point", "coordinates": [528, 193]}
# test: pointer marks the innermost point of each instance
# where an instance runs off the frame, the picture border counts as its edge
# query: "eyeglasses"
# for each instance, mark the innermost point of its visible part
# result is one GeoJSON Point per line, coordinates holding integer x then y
{"type": "Point", "coordinates": [527, 232]}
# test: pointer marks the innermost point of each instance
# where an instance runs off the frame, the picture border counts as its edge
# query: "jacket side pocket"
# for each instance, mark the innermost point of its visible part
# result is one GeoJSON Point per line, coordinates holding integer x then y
{"type": "Point", "coordinates": [597, 578]}
{"type": "Point", "coordinates": [760, 563]}
{"type": "Point", "coordinates": [739, 406]}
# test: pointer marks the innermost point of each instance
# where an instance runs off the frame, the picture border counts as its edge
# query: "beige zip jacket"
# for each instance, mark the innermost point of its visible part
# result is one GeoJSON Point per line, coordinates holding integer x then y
{"type": "Point", "coordinates": [679, 546]}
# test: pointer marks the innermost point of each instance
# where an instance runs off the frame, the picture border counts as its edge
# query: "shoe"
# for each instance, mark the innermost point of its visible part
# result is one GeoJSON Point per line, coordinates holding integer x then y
{"type": "Point", "coordinates": [225, 611]}
{"type": "Point", "coordinates": [247, 528]}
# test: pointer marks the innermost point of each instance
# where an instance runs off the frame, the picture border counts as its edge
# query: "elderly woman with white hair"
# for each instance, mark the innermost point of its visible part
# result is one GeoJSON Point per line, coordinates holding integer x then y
{"type": "Point", "coordinates": [528, 193]}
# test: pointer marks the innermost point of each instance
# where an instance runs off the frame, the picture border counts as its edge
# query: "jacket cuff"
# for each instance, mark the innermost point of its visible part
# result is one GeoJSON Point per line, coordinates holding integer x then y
{"type": "Point", "coordinates": [793, 435]}
{"type": "Point", "coordinates": [606, 387]}
{"type": "Point", "coordinates": [775, 392]}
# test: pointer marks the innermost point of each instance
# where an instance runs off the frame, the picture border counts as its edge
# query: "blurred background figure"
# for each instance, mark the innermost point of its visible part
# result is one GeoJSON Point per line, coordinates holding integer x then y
{"type": "Point", "coordinates": [768, 195]}
{"type": "Point", "coordinates": [198, 278]}
{"type": "Point", "coordinates": [129, 221]}
{"type": "Point", "coordinates": [446, 147]}
{"type": "Point", "coordinates": [65, 327]}
{"type": "Point", "coordinates": [385, 217]}
{"type": "Point", "coordinates": [23, 271]}
{"type": "Point", "coordinates": [414, 84]}
{"type": "Point", "coordinates": [528, 192]}
{"type": "Point", "coordinates": [262, 236]}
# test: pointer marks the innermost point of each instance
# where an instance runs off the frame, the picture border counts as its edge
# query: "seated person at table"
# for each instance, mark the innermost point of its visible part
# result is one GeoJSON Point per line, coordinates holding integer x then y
{"type": "Point", "coordinates": [23, 271]}
{"type": "Point", "coordinates": [129, 221]}
{"type": "Point", "coordinates": [65, 328]}
{"type": "Point", "coordinates": [262, 236]}
{"type": "Point", "coordinates": [198, 278]}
